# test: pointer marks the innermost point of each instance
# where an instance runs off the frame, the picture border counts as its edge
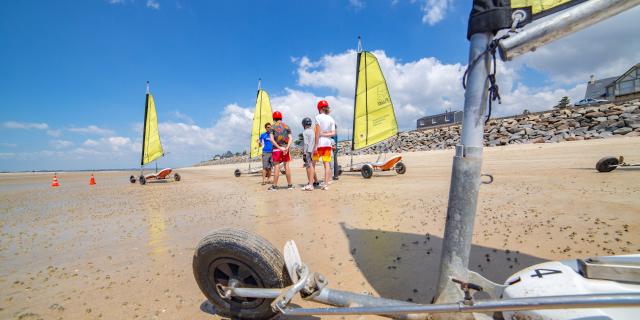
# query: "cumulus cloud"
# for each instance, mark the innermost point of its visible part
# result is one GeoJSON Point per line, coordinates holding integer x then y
{"type": "Point", "coordinates": [90, 143]}
{"type": "Point", "coordinates": [8, 145]}
{"type": "Point", "coordinates": [92, 129]}
{"type": "Point", "coordinates": [357, 4]}
{"type": "Point", "coordinates": [54, 133]}
{"type": "Point", "coordinates": [183, 117]}
{"type": "Point", "coordinates": [7, 155]}
{"type": "Point", "coordinates": [421, 87]}
{"type": "Point", "coordinates": [60, 144]}
{"type": "Point", "coordinates": [153, 4]}
{"type": "Point", "coordinates": [435, 11]}
{"type": "Point", "coordinates": [115, 1]}
{"type": "Point", "coordinates": [25, 125]}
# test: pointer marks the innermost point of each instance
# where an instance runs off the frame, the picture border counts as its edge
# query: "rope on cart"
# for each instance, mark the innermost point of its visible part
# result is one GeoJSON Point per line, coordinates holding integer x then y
{"type": "Point", "coordinates": [494, 93]}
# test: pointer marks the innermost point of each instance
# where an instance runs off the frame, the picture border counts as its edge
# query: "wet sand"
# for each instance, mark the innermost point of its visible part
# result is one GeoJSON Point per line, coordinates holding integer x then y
{"type": "Point", "coordinates": [123, 251]}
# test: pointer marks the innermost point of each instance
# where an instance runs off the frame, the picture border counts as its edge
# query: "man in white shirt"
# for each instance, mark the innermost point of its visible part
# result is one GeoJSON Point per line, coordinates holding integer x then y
{"type": "Point", "coordinates": [325, 128]}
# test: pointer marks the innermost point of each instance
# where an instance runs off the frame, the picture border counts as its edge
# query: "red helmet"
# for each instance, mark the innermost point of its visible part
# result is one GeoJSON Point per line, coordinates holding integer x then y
{"type": "Point", "coordinates": [277, 115]}
{"type": "Point", "coordinates": [322, 104]}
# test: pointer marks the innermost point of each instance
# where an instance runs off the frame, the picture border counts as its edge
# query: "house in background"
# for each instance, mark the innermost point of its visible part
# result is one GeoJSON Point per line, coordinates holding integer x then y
{"type": "Point", "coordinates": [615, 89]}
{"type": "Point", "coordinates": [443, 119]}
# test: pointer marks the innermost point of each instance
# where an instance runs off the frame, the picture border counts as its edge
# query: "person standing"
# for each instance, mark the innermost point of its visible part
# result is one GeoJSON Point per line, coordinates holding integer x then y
{"type": "Point", "coordinates": [325, 129]}
{"type": "Point", "coordinates": [281, 139]}
{"type": "Point", "coordinates": [308, 137]}
{"type": "Point", "coordinates": [267, 147]}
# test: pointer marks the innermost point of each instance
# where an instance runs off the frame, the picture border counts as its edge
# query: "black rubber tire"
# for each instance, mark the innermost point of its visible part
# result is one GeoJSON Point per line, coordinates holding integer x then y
{"type": "Point", "coordinates": [367, 171]}
{"type": "Point", "coordinates": [340, 170]}
{"type": "Point", "coordinates": [237, 173]}
{"type": "Point", "coordinates": [607, 164]}
{"type": "Point", "coordinates": [400, 168]}
{"type": "Point", "coordinates": [132, 179]}
{"type": "Point", "coordinates": [176, 176]}
{"type": "Point", "coordinates": [142, 180]}
{"type": "Point", "coordinates": [251, 254]}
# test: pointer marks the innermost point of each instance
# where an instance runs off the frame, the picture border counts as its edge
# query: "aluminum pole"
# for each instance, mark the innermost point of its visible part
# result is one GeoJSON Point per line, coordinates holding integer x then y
{"type": "Point", "coordinates": [627, 300]}
{"type": "Point", "coordinates": [465, 176]}
{"type": "Point", "coordinates": [562, 24]}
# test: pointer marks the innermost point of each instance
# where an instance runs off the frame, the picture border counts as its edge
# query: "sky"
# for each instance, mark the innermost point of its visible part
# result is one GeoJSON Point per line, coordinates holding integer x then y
{"type": "Point", "coordinates": [73, 73]}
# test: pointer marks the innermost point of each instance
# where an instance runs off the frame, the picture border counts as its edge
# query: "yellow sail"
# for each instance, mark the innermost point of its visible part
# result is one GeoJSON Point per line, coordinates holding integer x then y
{"type": "Point", "coordinates": [261, 116]}
{"type": "Point", "coordinates": [151, 146]}
{"type": "Point", "coordinates": [373, 117]}
{"type": "Point", "coordinates": [540, 8]}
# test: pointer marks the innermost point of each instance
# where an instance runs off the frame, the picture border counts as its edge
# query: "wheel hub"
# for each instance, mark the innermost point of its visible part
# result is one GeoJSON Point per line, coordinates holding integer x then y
{"type": "Point", "coordinates": [229, 272]}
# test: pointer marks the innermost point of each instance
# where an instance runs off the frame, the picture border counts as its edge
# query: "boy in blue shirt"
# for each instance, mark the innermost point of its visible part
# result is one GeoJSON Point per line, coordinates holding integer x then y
{"type": "Point", "coordinates": [267, 148]}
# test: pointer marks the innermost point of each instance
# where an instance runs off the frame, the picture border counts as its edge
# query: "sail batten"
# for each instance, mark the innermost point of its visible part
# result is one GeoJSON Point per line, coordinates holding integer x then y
{"type": "Point", "coordinates": [151, 145]}
{"type": "Point", "coordinates": [261, 115]}
{"type": "Point", "coordinates": [374, 119]}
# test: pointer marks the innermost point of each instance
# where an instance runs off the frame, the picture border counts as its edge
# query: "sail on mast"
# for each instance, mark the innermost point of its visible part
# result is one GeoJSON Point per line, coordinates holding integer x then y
{"type": "Point", "coordinates": [374, 119]}
{"type": "Point", "coordinates": [151, 145]}
{"type": "Point", "coordinates": [261, 115]}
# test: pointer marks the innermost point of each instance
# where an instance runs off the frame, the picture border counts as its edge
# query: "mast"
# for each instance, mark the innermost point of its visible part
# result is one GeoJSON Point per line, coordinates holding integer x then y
{"type": "Point", "coordinates": [355, 96]}
{"type": "Point", "coordinates": [258, 96]}
{"type": "Point", "coordinates": [144, 130]}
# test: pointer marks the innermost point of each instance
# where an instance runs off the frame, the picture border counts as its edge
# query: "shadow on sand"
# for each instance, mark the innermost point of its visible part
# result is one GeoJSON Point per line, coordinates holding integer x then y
{"type": "Point", "coordinates": [207, 307]}
{"type": "Point", "coordinates": [404, 266]}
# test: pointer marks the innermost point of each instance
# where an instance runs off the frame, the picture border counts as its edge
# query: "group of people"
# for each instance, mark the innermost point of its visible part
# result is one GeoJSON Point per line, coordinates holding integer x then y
{"type": "Point", "coordinates": [317, 146]}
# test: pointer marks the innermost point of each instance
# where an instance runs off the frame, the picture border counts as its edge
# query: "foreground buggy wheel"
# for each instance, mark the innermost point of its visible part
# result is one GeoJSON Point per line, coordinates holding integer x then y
{"type": "Point", "coordinates": [400, 168]}
{"type": "Point", "coordinates": [236, 257]}
{"type": "Point", "coordinates": [367, 171]}
{"type": "Point", "coordinates": [607, 164]}
{"type": "Point", "coordinates": [237, 173]}
{"type": "Point", "coordinates": [143, 180]}
{"type": "Point", "coordinates": [176, 176]}
{"type": "Point", "coordinates": [132, 179]}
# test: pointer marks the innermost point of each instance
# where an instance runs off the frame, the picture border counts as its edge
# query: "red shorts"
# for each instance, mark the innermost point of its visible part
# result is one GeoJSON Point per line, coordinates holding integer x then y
{"type": "Point", "coordinates": [278, 156]}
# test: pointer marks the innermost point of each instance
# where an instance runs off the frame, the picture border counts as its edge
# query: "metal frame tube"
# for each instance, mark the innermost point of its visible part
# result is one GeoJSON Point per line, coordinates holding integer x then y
{"type": "Point", "coordinates": [349, 303]}
{"type": "Point", "coordinates": [465, 176]}
{"type": "Point", "coordinates": [561, 24]}
{"type": "Point", "coordinates": [547, 303]}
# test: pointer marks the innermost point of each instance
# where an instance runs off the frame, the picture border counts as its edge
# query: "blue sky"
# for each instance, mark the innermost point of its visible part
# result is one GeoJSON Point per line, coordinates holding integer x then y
{"type": "Point", "coordinates": [73, 72]}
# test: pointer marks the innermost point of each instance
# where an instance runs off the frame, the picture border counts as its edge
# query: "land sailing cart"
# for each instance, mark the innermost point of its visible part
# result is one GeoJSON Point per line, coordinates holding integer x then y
{"type": "Point", "coordinates": [608, 164]}
{"type": "Point", "coordinates": [374, 119]}
{"type": "Point", "coordinates": [151, 146]}
{"type": "Point", "coordinates": [244, 277]}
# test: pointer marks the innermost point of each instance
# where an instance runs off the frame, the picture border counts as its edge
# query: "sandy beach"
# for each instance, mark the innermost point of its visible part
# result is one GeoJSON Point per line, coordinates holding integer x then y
{"type": "Point", "coordinates": [118, 250]}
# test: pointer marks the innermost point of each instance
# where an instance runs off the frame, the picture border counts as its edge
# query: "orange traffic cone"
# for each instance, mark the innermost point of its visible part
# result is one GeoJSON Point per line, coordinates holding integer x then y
{"type": "Point", "coordinates": [55, 183]}
{"type": "Point", "coordinates": [92, 181]}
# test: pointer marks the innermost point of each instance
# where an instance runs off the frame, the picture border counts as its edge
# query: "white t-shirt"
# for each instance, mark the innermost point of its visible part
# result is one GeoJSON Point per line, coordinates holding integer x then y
{"type": "Point", "coordinates": [327, 124]}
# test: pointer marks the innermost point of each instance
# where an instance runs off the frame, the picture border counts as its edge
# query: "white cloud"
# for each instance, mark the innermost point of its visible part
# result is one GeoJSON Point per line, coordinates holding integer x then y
{"type": "Point", "coordinates": [7, 155]}
{"type": "Point", "coordinates": [60, 144]}
{"type": "Point", "coordinates": [181, 116]}
{"type": "Point", "coordinates": [92, 129]}
{"type": "Point", "coordinates": [8, 145]}
{"type": "Point", "coordinates": [90, 143]}
{"type": "Point", "coordinates": [25, 125]}
{"type": "Point", "coordinates": [357, 4]}
{"type": "Point", "coordinates": [435, 11]}
{"type": "Point", "coordinates": [153, 4]}
{"type": "Point", "coordinates": [116, 1]}
{"type": "Point", "coordinates": [54, 133]}
{"type": "Point", "coordinates": [417, 88]}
